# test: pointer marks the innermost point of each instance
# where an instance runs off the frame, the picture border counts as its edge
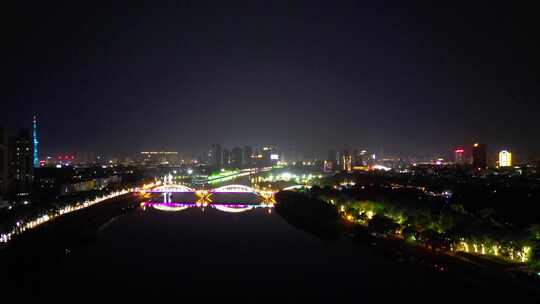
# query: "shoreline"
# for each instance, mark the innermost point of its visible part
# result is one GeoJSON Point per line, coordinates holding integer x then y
{"type": "Point", "coordinates": [465, 266]}
{"type": "Point", "coordinates": [68, 229]}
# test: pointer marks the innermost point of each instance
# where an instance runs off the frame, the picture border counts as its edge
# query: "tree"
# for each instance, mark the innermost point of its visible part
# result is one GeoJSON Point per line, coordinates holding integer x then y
{"type": "Point", "coordinates": [409, 233]}
{"type": "Point", "coordinates": [458, 208]}
{"type": "Point", "coordinates": [382, 224]}
{"type": "Point", "coordinates": [434, 240]}
{"type": "Point", "coordinates": [534, 231]}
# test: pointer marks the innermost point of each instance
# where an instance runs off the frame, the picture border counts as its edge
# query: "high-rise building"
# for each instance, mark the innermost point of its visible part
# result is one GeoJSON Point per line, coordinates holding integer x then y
{"type": "Point", "coordinates": [215, 156]}
{"type": "Point", "coordinates": [328, 166]}
{"type": "Point", "coordinates": [364, 157]}
{"type": "Point", "coordinates": [266, 156]}
{"type": "Point", "coordinates": [459, 156]}
{"type": "Point", "coordinates": [358, 158]}
{"type": "Point", "coordinates": [4, 168]}
{"type": "Point", "coordinates": [479, 156]}
{"type": "Point", "coordinates": [338, 159]}
{"type": "Point", "coordinates": [331, 156]}
{"type": "Point", "coordinates": [35, 143]}
{"type": "Point", "coordinates": [236, 157]}
{"type": "Point", "coordinates": [346, 161]}
{"type": "Point", "coordinates": [274, 158]}
{"type": "Point", "coordinates": [505, 159]}
{"type": "Point", "coordinates": [331, 161]}
{"type": "Point", "coordinates": [226, 158]}
{"type": "Point", "coordinates": [247, 158]}
{"type": "Point", "coordinates": [21, 162]}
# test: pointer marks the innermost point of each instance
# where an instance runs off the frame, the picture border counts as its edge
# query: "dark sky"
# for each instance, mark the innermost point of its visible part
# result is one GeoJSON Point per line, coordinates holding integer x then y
{"type": "Point", "coordinates": [302, 75]}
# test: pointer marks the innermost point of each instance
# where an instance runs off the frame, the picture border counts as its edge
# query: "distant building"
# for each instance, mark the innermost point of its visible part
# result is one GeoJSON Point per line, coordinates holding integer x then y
{"type": "Point", "coordinates": [86, 158]}
{"type": "Point", "coordinates": [247, 157]}
{"type": "Point", "coordinates": [226, 158]}
{"type": "Point", "coordinates": [332, 156]}
{"type": "Point", "coordinates": [4, 164]}
{"type": "Point", "coordinates": [149, 157]}
{"type": "Point", "coordinates": [364, 158]}
{"type": "Point", "coordinates": [459, 156]}
{"type": "Point", "coordinates": [52, 182]}
{"type": "Point", "coordinates": [274, 158]}
{"type": "Point", "coordinates": [356, 158]}
{"type": "Point", "coordinates": [269, 156]}
{"type": "Point", "coordinates": [215, 156]}
{"type": "Point", "coordinates": [266, 152]}
{"type": "Point", "coordinates": [346, 161]}
{"type": "Point", "coordinates": [21, 162]}
{"type": "Point", "coordinates": [35, 143]}
{"type": "Point", "coordinates": [505, 159]}
{"type": "Point", "coordinates": [479, 156]}
{"type": "Point", "coordinates": [237, 157]}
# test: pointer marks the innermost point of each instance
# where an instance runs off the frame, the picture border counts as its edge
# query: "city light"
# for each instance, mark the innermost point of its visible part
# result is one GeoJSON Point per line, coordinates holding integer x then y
{"type": "Point", "coordinates": [381, 167]}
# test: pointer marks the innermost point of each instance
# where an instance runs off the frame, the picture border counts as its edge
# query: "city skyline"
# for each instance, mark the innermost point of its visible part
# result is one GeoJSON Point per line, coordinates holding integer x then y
{"type": "Point", "coordinates": [466, 151]}
{"type": "Point", "coordinates": [305, 79]}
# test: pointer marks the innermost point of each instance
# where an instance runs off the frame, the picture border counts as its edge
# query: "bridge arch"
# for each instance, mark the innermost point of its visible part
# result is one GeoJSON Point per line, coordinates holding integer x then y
{"type": "Point", "coordinates": [171, 188]}
{"type": "Point", "coordinates": [234, 189]}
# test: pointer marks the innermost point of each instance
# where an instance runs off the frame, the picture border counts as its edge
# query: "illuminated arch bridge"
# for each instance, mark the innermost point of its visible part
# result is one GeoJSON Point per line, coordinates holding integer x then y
{"type": "Point", "coordinates": [267, 195]}
{"type": "Point", "coordinates": [235, 189]}
{"type": "Point", "coordinates": [174, 188]}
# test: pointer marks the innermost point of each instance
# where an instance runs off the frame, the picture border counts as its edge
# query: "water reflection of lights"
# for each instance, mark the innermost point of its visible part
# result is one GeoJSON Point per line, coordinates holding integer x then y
{"type": "Point", "coordinates": [233, 208]}
{"type": "Point", "coordinates": [165, 207]}
{"type": "Point", "coordinates": [225, 207]}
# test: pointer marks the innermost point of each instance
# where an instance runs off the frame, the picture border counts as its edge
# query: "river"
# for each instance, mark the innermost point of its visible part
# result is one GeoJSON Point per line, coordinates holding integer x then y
{"type": "Point", "coordinates": [204, 250]}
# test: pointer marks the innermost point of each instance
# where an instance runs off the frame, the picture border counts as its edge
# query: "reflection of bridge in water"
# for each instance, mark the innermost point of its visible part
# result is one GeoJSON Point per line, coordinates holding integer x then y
{"type": "Point", "coordinates": [225, 207]}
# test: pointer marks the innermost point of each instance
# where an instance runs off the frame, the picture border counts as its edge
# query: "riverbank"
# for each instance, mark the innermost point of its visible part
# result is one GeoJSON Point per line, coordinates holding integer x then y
{"type": "Point", "coordinates": [478, 272]}
{"type": "Point", "coordinates": [36, 251]}
{"type": "Point", "coordinates": [313, 216]}
{"type": "Point", "coordinates": [475, 270]}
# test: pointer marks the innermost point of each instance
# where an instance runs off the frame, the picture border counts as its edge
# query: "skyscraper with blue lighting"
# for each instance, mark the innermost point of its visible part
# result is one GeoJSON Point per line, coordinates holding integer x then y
{"type": "Point", "coordinates": [35, 141]}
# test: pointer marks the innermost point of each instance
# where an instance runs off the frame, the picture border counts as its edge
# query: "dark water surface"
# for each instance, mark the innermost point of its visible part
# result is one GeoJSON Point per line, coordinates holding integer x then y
{"type": "Point", "coordinates": [211, 252]}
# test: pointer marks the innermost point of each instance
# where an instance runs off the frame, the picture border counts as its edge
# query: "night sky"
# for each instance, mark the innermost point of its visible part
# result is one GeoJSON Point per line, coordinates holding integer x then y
{"type": "Point", "coordinates": [302, 75]}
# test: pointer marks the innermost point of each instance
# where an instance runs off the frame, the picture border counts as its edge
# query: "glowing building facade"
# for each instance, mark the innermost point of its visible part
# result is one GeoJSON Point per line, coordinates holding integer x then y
{"type": "Point", "coordinates": [346, 161]}
{"type": "Point", "coordinates": [505, 159]}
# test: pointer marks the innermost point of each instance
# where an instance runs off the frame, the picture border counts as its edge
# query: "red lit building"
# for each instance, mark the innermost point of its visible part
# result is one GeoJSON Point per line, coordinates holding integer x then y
{"type": "Point", "coordinates": [459, 156]}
